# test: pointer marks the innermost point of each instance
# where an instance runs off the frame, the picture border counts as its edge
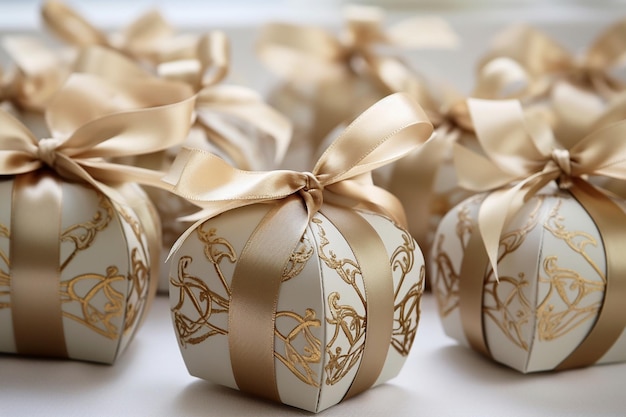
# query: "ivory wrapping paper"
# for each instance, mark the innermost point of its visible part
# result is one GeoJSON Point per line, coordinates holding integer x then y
{"type": "Point", "coordinates": [104, 275]}
{"type": "Point", "coordinates": [552, 271]}
{"type": "Point", "coordinates": [320, 316]}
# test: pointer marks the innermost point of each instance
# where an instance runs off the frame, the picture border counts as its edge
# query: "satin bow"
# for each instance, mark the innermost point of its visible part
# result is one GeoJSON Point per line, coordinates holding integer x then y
{"type": "Point", "coordinates": [37, 75]}
{"type": "Point", "coordinates": [544, 59]}
{"type": "Point", "coordinates": [149, 39]}
{"type": "Point", "coordinates": [202, 73]}
{"type": "Point", "coordinates": [382, 134]}
{"type": "Point", "coordinates": [312, 53]}
{"type": "Point", "coordinates": [87, 128]}
{"type": "Point", "coordinates": [523, 157]}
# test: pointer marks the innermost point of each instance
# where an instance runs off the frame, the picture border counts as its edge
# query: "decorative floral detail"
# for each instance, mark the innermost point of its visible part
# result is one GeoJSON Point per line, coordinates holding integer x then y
{"type": "Point", "coordinates": [406, 309]}
{"type": "Point", "coordinates": [137, 296]}
{"type": "Point", "coordinates": [82, 235]}
{"type": "Point", "coordinates": [87, 290]}
{"type": "Point", "coordinates": [566, 286]}
{"type": "Point", "coordinates": [198, 307]}
{"type": "Point", "coordinates": [504, 300]}
{"type": "Point", "coordinates": [446, 281]}
{"type": "Point", "coordinates": [299, 363]}
{"type": "Point", "coordinates": [349, 325]}
{"type": "Point", "coordinates": [298, 259]}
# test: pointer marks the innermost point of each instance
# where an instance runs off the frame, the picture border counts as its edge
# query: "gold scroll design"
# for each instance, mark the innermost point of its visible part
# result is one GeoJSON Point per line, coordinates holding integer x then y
{"type": "Point", "coordinates": [139, 276]}
{"type": "Point", "coordinates": [504, 301]}
{"type": "Point", "coordinates": [446, 280]}
{"type": "Point", "coordinates": [87, 290]}
{"type": "Point", "coordinates": [207, 305]}
{"type": "Point", "coordinates": [568, 286]}
{"type": "Point", "coordinates": [5, 280]}
{"type": "Point", "coordinates": [406, 304]}
{"type": "Point", "coordinates": [349, 325]}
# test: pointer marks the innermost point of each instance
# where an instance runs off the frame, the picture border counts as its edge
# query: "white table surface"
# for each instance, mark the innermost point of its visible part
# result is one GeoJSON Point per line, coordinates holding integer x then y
{"type": "Point", "coordinates": [439, 378]}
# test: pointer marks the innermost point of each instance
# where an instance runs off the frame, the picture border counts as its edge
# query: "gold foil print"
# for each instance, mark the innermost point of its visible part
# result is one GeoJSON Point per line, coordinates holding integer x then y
{"type": "Point", "coordinates": [198, 305]}
{"type": "Point", "coordinates": [349, 325]}
{"type": "Point", "coordinates": [406, 309]}
{"type": "Point", "coordinates": [298, 362]}
{"type": "Point", "coordinates": [504, 301]}
{"type": "Point", "coordinates": [87, 290]}
{"type": "Point", "coordinates": [136, 297]}
{"type": "Point", "coordinates": [446, 281]}
{"type": "Point", "coordinates": [567, 287]}
{"type": "Point", "coordinates": [82, 235]}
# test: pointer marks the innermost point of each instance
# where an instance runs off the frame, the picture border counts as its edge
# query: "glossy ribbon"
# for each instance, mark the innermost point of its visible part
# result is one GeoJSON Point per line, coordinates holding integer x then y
{"type": "Point", "coordinates": [85, 132]}
{"type": "Point", "coordinates": [543, 58]}
{"type": "Point", "coordinates": [149, 39]}
{"type": "Point", "coordinates": [385, 132]}
{"type": "Point", "coordinates": [335, 63]}
{"type": "Point", "coordinates": [37, 75]}
{"type": "Point", "coordinates": [523, 157]}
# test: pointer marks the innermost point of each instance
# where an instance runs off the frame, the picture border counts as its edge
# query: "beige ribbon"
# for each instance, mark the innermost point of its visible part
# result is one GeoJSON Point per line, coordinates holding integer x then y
{"type": "Point", "coordinates": [37, 76]}
{"type": "Point", "coordinates": [543, 58]}
{"type": "Point", "coordinates": [149, 39]}
{"type": "Point", "coordinates": [335, 63]}
{"type": "Point", "coordinates": [84, 134]}
{"type": "Point", "coordinates": [385, 132]}
{"type": "Point", "coordinates": [521, 159]}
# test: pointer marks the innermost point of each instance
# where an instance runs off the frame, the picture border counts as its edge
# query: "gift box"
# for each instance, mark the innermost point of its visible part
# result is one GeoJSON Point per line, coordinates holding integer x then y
{"type": "Point", "coordinates": [529, 273]}
{"type": "Point", "coordinates": [301, 288]}
{"type": "Point", "coordinates": [77, 233]}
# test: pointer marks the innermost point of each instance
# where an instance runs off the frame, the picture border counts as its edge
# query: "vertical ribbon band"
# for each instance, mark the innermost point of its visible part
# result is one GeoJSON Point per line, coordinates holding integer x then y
{"type": "Point", "coordinates": [255, 288]}
{"type": "Point", "coordinates": [610, 322]}
{"type": "Point", "coordinates": [34, 264]}
{"type": "Point", "coordinates": [371, 256]}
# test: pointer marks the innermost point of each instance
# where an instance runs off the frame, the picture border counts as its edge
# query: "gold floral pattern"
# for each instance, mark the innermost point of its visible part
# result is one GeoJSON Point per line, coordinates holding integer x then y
{"type": "Point", "coordinates": [504, 301]}
{"type": "Point", "coordinates": [446, 280]}
{"type": "Point", "coordinates": [98, 313]}
{"type": "Point", "coordinates": [567, 287]}
{"type": "Point", "coordinates": [137, 296]}
{"type": "Point", "coordinates": [199, 308]}
{"type": "Point", "coordinates": [348, 324]}
{"type": "Point", "coordinates": [406, 307]}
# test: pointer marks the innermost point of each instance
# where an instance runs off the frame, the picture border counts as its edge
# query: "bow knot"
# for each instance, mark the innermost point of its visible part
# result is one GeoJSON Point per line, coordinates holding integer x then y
{"type": "Point", "coordinates": [312, 192]}
{"type": "Point", "coordinates": [47, 151]}
{"type": "Point", "coordinates": [562, 159]}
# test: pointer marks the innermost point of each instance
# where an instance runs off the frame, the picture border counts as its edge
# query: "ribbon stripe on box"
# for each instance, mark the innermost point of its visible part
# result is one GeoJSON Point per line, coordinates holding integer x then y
{"type": "Point", "coordinates": [339, 183]}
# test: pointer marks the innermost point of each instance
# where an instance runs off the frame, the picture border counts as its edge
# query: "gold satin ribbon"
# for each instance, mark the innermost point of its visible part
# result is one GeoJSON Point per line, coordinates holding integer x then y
{"type": "Point", "coordinates": [335, 63]}
{"type": "Point", "coordinates": [37, 76]}
{"type": "Point", "coordinates": [85, 132]}
{"type": "Point", "coordinates": [523, 157]}
{"type": "Point", "coordinates": [543, 58]}
{"type": "Point", "coordinates": [149, 39]}
{"type": "Point", "coordinates": [35, 253]}
{"type": "Point", "coordinates": [385, 132]}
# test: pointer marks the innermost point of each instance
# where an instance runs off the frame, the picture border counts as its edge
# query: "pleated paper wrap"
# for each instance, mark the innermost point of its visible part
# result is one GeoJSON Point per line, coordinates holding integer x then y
{"type": "Point", "coordinates": [300, 287]}
{"type": "Point", "coordinates": [532, 273]}
{"type": "Point", "coordinates": [79, 240]}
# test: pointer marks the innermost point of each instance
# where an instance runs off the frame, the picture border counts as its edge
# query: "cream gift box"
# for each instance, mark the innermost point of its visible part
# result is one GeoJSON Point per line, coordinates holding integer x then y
{"type": "Point", "coordinates": [294, 299]}
{"type": "Point", "coordinates": [77, 235]}
{"type": "Point", "coordinates": [530, 275]}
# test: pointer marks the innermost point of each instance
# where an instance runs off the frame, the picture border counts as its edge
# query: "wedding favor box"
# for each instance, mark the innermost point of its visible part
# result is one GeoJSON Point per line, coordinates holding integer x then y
{"type": "Point", "coordinates": [294, 299]}
{"type": "Point", "coordinates": [79, 239]}
{"type": "Point", "coordinates": [550, 297]}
